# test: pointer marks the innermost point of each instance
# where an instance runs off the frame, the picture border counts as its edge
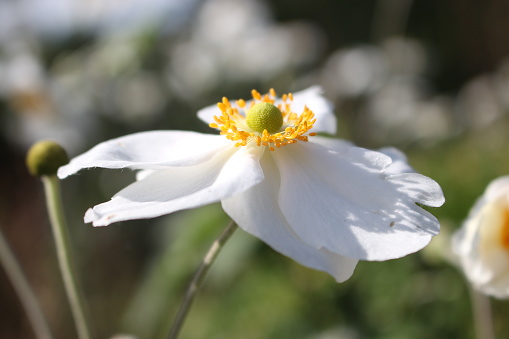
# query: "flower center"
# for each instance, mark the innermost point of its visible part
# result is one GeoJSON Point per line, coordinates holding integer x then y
{"type": "Point", "coordinates": [505, 229]}
{"type": "Point", "coordinates": [267, 121]}
{"type": "Point", "coordinates": [264, 116]}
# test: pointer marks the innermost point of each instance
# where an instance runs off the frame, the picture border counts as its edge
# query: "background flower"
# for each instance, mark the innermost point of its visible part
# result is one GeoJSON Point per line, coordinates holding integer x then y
{"type": "Point", "coordinates": [482, 243]}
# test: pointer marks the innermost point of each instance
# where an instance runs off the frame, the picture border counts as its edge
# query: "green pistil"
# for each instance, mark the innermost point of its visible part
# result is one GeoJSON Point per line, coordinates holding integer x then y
{"type": "Point", "coordinates": [264, 116]}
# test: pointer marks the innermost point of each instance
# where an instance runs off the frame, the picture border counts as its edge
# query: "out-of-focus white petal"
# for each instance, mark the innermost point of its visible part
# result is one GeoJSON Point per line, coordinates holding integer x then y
{"type": "Point", "coordinates": [338, 198]}
{"type": "Point", "coordinates": [257, 212]}
{"type": "Point", "coordinates": [149, 150]}
{"type": "Point", "coordinates": [313, 98]}
{"type": "Point", "coordinates": [497, 188]}
{"type": "Point", "coordinates": [230, 172]}
{"type": "Point", "coordinates": [482, 244]}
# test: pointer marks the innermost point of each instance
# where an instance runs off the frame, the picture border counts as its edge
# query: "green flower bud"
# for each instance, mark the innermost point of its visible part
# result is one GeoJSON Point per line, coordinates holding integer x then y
{"type": "Point", "coordinates": [45, 157]}
{"type": "Point", "coordinates": [264, 116]}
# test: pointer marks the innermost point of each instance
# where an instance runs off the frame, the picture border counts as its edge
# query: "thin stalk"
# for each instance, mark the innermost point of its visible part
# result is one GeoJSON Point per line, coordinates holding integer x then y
{"type": "Point", "coordinates": [24, 291]}
{"type": "Point", "coordinates": [483, 319]}
{"type": "Point", "coordinates": [63, 247]}
{"type": "Point", "coordinates": [198, 278]}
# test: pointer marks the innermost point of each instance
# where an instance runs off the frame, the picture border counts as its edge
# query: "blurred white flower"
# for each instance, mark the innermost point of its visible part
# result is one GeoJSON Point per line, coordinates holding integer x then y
{"type": "Point", "coordinates": [478, 104]}
{"type": "Point", "coordinates": [235, 41]}
{"type": "Point", "coordinates": [364, 69]}
{"type": "Point", "coordinates": [388, 85]}
{"type": "Point", "coordinates": [40, 112]}
{"type": "Point", "coordinates": [483, 100]}
{"type": "Point", "coordinates": [60, 18]}
{"type": "Point", "coordinates": [400, 111]}
{"type": "Point", "coordinates": [321, 201]}
{"type": "Point", "coordinates": [482, 243]}
{"type": "Point", "coordinates": [353, 72]}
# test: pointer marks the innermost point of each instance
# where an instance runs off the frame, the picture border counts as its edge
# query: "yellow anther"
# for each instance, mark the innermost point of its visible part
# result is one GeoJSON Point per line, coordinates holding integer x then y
{"type": "Point", "coordinates": [272, 93]}
{"type": "Point", "coordinates": [256, 95]}
{"type": "Point", "coordinates": [266, 98]}
{"type": "Point", "coordinates": [221, 106]}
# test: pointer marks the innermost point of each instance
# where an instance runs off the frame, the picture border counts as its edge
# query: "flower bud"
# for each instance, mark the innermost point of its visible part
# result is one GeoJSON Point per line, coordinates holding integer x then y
{"type": "Point", "coordinates": [45, 157]}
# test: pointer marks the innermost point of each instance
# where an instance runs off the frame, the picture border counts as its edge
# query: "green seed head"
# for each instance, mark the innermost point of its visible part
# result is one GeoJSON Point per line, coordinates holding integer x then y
{"type": "Point", "coordinates": [45, 157]}
{"type": "Point", "coordinates": [264, 116]}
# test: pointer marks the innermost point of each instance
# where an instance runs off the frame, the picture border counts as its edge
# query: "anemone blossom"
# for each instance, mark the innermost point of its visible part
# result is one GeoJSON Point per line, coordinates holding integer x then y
{"type": "Point", "coordinates": [320, 201]}
{"type": "Point", "coordinates": [482, 243]}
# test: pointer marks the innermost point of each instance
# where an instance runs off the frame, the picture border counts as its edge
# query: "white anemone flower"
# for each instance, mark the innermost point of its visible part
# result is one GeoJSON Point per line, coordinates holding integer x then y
{"type": "Point", "coordinates": [320, 201]}
{"type": "Point", "coordinates": [482, 243]}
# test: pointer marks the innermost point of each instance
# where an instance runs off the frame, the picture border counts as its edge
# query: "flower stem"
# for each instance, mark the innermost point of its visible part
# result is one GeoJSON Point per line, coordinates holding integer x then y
{"type": "Point", "coordinates": [483, 319]}
{"type": "Point", "coordinates": [61, 235]}
{"type": "Point", "coordinates": [198, 278]}
{"type": "Point", "coordinates": [22, 287]}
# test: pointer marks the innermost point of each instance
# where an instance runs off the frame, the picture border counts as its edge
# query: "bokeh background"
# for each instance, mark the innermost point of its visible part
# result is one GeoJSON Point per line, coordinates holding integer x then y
{"type": "Point", "coordinates": [428, 76]}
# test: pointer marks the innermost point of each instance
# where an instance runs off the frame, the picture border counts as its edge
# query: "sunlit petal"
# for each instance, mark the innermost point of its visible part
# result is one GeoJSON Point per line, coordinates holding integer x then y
{"type": "Point", "coordinates": [228, 173]}
{"type": "Point", "coordinates": [339, 199]}
{"type": "Point", "coordinates": [149, 150]}
{"type": "Point", "coordinates": [257, 212]}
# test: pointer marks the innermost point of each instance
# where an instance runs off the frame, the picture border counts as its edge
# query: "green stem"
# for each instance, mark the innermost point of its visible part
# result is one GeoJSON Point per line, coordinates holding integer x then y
{"type": "Point", "coordinates": [61, 235]}
{"type": "Point", "coordinates": [483, 319]}
{"type": "Point", "coordinates": [198, 278]}
{"type": "Point", "coordinates": [22, 287]}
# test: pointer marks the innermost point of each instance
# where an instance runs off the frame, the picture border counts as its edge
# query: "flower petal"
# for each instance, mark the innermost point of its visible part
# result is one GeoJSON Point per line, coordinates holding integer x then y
{"type": "Point", "coordinates": [228, 173]}
{"type": "Point", "coordinates": [338, 198]}
{"type": "Point", "coordinates": [257, 212]}
{"type": "Point", "coordinates": [323, 109]}
{"type": "Point", "coordinates": [399, 161]}
{"type": "Point", "coordinates": [498, 187]}
{"type": "Point", "coordinates": [206, 114]}
{"type": "Point", "coordinates": [149, 150]}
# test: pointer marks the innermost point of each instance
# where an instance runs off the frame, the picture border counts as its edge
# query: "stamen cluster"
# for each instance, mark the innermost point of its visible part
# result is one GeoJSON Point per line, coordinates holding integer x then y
{"type": "Point", "coordinates": [232, 123]}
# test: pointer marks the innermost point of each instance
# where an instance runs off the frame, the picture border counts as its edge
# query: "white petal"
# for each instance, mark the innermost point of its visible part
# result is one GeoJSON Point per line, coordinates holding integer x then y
{"type": "Point", "coordinates": [149, 150]}
{"type": "Point", "coordinates": [206, 114]}
{"type": "Point", "coordinates": [497, 187]}
{"type": "Point", "coordinates": [257, 212]}
{"type": "Point", "coordinates": [229, 172]}
{"type": "Point", "coordinates": [323, 108]}
{"type": "Point", "coordinates": [399, 161]}
{"type": "Point", "coordinates": [340, 199]}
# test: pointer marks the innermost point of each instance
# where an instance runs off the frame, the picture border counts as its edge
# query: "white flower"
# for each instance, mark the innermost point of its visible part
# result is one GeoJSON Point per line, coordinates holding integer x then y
{"type": "Point", "coordinates": [482, 243]}
{"type": "Point", "coordinates": [323, 202]}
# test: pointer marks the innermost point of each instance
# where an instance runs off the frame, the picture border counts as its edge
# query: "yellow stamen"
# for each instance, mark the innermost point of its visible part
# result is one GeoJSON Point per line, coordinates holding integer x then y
{"type": "Point", "coordinates": [256, 95]}
{"type": "Point", "coordinates": [241, 103]}
{"type": "Point", "coordinates": [295, 127]}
